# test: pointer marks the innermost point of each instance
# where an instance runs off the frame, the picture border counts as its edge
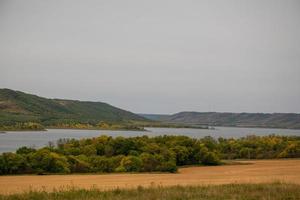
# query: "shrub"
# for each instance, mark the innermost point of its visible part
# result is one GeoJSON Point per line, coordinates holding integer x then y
{"type": "Point", "coordinates": [25, 150]}
{"type": "Point", "coordinates": [210, 158]}
{"type": "Point", "coordinates": [149, 162]}
{"type": "Point", "coordinates": [44, 160]}
{"type": "Point", "coordinates": [169, 166]}
{"type": "Point", "coordinates": [131, 163]}
{"type": "Point", "coordinates": [101, 164]}
{"type": "Point", "coordinates": [77, 165]}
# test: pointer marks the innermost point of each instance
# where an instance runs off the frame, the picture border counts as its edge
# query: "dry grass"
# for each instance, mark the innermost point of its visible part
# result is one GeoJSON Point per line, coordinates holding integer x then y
{"type": "Point", "coordinates": [259, 171]}
{"type": "Point", "coordinates": [263, 191]}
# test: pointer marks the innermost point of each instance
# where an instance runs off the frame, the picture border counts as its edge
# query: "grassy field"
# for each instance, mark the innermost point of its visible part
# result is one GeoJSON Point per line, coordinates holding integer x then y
{"type": "Point", "coordinates": [273, 191]}
{"type": "Point", "coordinates": [255, 171]}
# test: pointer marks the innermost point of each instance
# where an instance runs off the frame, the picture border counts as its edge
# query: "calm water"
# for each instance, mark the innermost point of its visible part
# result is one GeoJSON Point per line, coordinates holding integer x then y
{"type": "Point", "coordinates": [10, 141]}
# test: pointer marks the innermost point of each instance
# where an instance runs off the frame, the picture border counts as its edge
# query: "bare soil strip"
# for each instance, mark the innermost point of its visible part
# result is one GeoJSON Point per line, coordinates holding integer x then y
{"type": "Point", "coordinates": [259, 171]}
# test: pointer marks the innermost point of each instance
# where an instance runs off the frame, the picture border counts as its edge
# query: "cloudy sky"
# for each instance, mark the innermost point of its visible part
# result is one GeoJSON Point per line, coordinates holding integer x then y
{"type": "Point", "coordinates": [155, 56]}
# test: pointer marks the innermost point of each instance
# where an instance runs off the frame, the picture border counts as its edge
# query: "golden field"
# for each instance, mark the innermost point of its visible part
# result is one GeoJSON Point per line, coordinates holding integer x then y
{"type": "Point", "coordinates": [254, 171]}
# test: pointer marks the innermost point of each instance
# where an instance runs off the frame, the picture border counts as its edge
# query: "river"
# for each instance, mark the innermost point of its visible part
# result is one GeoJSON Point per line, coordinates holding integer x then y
{"type": "Point", "coordinates": [12, 140]}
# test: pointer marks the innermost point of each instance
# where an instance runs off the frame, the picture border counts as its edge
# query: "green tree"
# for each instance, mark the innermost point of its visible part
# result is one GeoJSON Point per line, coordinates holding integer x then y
{"type": "Point", "coordinates": [182, 155]}
{"type": "Point", "coordinates": [131, 163]}
{"type": "Point", "coordinates": [12, 163]}
{"type": "Point", "coordinates": [25, 150]}
{"type": "Point", "coordinates": [89, 150]}
{"type": "Point", "coordinates": [45, 161]}
{"type": "Point", "coordinates": [210, 158]}
{"type": "Point", "coordinates": [78, 165]}
{"type": "Point", "coordinates": [168, 166]}
{"type": "Point", "coordinates": [101, 164]}
{"type": "Point", "coordinates": [149, 162]}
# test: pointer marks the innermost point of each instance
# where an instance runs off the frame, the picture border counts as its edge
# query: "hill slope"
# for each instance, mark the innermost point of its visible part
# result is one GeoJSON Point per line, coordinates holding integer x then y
{"type": "Point", "coordinates": [268, 120]}
{"type": "Point", "coordinates": [16, 106]}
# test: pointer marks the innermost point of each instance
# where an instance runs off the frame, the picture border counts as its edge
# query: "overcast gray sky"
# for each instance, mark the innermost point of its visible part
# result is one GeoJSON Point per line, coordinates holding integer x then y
{"type": "Point", "coordinates": [155, 56]}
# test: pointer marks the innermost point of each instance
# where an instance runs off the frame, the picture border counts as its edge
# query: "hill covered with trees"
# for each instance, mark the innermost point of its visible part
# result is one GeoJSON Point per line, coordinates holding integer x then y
{"type": "Point", "coordinates": [263, 120]}
{"type": "Point", "coordinates": [19, 110]}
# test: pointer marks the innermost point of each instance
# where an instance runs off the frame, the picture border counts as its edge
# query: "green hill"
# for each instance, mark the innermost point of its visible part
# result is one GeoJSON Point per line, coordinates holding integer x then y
{"type": "Point", "coordinates": [266, 120]}
{"type": "Point", "coordinates": [19, 107]}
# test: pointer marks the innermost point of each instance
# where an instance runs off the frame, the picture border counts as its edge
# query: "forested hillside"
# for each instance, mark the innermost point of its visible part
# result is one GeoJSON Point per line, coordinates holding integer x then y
{"type": "Point", "coordinates": [266, 120]}
{"type": "Point", "coordinates": [19, 107]}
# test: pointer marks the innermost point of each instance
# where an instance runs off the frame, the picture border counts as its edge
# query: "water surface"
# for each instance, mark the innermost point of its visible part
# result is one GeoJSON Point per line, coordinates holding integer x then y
{"type": "Point", "coordinates": [12, 140]}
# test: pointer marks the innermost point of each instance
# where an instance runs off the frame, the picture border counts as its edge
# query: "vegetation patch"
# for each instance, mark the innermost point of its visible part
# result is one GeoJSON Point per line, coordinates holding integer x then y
{"type": "Point", "coordinates": [20, 108]}
{"type": "Point", "coordinates": [143, 154]}
{"type": "Point", "coordinates": [20, 111]}
{"type": "Point", "coordinates": [274, 191]}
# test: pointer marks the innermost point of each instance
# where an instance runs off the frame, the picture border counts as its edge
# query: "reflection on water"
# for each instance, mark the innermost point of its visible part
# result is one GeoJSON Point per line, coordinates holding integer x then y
{"type": "Point", "coordinates": [10, 141]}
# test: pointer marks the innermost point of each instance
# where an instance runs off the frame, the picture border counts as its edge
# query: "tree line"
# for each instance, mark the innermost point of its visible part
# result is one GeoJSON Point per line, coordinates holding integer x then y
{"type": "Point", "coordinates": [143, 154]}
{"type": "Point", "coordinates": [20, 126]}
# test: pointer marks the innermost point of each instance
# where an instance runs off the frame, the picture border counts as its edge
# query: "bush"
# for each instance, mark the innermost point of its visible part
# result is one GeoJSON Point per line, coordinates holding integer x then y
{"type": "Point", "coordinates": [44, 160]}
{"type": "Point", "coordinates": [149, 162]}
{"type": "Point", "coordinates": [210, 158]}
{"type": "Point", "coordinates": [101, 164]}
{"type": "Point", "coordinates": [77, 165]}
{"type": "Point", "coordinates": [25, 150]}
{"type": "Point", "coordinates": [11, 163]}
{"type": "Point", "coordinates": [131, 163]}
{"type": "Point", "coordinates": [169, 166]}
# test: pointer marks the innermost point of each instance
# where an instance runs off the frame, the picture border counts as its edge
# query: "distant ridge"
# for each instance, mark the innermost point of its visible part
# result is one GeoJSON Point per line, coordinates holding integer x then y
{"type": "Point", "coordinates": [16, 106]}
{"type": "Point", "coordinates": [263, 120]}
